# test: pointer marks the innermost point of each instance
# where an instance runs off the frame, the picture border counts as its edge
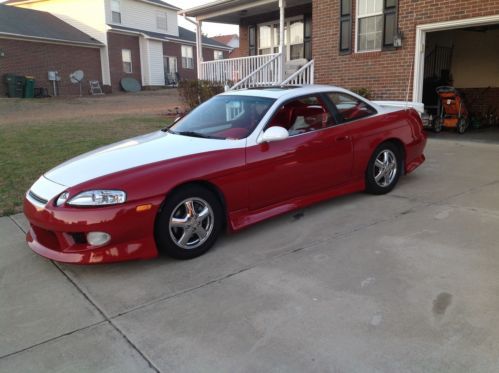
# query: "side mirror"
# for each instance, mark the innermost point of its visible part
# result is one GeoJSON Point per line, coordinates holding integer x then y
{"type": "Point", "coordinates": [274, 133]}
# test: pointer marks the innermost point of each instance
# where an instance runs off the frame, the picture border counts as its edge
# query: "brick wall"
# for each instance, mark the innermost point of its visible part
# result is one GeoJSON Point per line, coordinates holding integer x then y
{"type": "Point", "coordinates": [386, 73]}
{"type": "Point", "coordinates": [175, 50]}
{"type": "Point", "coordinates": [116, 43]}
{"type": "Point", "coordinates": [36, 59]}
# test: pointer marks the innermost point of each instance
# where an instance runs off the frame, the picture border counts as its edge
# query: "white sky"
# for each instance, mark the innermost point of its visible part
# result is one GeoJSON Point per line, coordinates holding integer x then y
{"type": "Point", "coordinates": [212, 29]}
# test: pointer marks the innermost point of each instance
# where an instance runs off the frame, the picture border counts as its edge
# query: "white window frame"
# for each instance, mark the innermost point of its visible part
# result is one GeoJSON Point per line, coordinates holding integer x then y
{"type": "Point", "coordinates": [123, 60]}
{"type": "Point", "coordinates": [187, 58]}
{"type": "Point", "coordinates": [118, 2]}
{"type": "Point", "coordinates": [221, 53]}
{"type": "Point", "coordinates": [287, 35]}
{"type": "Point", "coordinates": [160, 18]}
{"type": "Point", "coordinates": [357, 27]}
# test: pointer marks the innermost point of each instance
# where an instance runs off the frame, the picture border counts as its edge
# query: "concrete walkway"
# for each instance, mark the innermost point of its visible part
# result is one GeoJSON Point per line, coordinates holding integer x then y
{"type": "Point", "coordinates": [407, 282]}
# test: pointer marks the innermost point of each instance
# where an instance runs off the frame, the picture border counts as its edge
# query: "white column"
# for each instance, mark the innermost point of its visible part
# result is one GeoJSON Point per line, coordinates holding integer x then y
{"type": "Point", "coordinates": [282, 46]}
{"type": "Point", "coordinates": [199, 49]}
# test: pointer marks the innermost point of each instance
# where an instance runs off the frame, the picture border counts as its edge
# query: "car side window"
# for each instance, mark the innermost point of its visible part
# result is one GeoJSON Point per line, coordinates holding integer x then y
{"type": "Point", "coordinates": [305, 114]}
{"type": "Point", "coordinates": [350, 108]}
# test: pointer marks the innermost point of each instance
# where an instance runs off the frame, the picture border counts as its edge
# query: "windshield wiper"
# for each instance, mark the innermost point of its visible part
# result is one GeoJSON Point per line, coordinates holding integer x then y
{"type": "Point", "coordinates": [193, 134]}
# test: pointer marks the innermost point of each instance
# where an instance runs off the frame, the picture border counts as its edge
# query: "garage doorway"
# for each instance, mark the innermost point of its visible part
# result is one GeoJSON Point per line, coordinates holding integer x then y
{"type": "Point", "coordinates": [464, 55]}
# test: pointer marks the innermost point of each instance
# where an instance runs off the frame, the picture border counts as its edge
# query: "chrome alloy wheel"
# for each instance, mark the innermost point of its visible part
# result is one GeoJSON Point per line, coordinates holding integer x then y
{"type": "Point", "coordinates": [191, 223]}
{"type": "Point", "coordinates": [385, 168]}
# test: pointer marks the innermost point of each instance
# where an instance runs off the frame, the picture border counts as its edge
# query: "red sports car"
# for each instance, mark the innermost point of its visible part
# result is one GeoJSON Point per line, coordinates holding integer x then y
{"type": "Point", "coordinates": [235, 160]}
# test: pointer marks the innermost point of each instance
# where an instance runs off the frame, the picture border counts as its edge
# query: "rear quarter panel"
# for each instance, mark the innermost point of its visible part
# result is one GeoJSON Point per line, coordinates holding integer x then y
{"type": "Point", "coordinates": [368, 133]}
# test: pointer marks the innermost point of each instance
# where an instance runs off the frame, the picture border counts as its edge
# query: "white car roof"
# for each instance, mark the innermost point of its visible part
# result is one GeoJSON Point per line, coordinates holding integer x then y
{"type": "Point", "coordinates": [278, 92]}
{"type": "Point", "coordinates": [287, 92]}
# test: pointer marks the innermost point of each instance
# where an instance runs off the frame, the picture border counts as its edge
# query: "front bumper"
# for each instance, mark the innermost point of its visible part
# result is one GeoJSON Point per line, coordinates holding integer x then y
{"type": "Point", "coordinates": [58, 233]}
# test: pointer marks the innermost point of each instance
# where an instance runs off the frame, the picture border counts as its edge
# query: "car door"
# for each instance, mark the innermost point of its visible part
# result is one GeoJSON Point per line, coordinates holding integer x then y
{"type": "Point", "coordinates": [315, 156]}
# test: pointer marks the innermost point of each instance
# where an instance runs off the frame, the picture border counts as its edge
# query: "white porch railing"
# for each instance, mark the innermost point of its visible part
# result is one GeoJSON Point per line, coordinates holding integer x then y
{"type": "Point", "coordinates": [233, 69]}
{"type": "Point", "coordinates": [305, 75]}
{"type": "Point", "coordinates": [254, 71]}
{"type": "Point", "coordinates": [266, 75]}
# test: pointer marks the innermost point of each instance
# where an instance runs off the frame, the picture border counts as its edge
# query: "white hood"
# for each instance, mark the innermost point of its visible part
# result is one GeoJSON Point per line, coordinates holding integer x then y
{"type": "Point", "coordinates": [134, 152]}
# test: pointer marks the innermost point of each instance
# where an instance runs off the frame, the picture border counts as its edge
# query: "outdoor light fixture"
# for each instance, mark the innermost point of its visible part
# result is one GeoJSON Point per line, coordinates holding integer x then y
{"type": "Point", "coordinates": [397, 39]}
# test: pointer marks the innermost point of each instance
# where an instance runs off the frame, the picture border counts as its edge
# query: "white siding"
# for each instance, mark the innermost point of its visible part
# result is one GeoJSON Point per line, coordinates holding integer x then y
{"type": "Point", "coordinates": [88, 16]}
{"type": "Point", "coordinates": [156, 66]}
{"type": "Point", "coordinates": [144, 61]}
{"type": "Point", "coordinates": [151, 62]}
{"type": "Point", "coordinates": [142, 16]}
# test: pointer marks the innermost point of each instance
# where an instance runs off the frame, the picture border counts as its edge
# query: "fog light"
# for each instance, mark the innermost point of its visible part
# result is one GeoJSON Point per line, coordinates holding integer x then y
{"type": "Point", "coordinates": [98, 238]}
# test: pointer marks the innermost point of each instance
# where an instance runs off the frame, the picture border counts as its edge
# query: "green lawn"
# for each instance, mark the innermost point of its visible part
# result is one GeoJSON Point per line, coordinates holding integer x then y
{"type": "Point", "coordinates": [28, 150]}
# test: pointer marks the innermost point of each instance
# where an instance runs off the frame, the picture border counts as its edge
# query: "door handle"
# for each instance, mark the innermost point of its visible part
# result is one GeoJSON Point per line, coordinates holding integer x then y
{"type": "Point", "coordinates": [342, 138]}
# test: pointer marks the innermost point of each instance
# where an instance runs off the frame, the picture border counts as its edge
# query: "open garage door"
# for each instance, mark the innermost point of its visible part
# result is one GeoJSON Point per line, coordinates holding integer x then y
{"type": "Point", "coordinates": [466, 60]}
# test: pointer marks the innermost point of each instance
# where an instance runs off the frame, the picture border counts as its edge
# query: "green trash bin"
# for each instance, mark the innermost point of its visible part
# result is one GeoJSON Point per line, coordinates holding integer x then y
{"type": "Point", "coordinates": [14, 86]}
{"type": "Point", "coordinates": [29, 87]}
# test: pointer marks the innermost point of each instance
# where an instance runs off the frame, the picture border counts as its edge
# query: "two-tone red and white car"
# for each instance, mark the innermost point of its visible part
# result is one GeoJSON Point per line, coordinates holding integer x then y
{"type": "Point", "coordinates": [235, 160]}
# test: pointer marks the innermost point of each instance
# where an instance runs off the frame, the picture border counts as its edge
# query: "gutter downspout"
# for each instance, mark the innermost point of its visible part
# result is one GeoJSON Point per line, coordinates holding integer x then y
{"type": "Point", "coordinates": [199, 45]}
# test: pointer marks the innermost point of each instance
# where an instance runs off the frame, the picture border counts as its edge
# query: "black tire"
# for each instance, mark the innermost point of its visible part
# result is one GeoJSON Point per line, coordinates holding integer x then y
{"type": "Point", "coordinates": [169, 233]}
{"type": "Point", "coordinates": [392, 171]}
{"type": "Point", "coordinates": [462, 126]}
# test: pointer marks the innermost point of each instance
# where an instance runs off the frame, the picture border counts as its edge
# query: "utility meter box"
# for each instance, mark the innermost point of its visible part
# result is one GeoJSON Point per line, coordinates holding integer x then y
{"type": "Point", "coordinates": [54, 76]}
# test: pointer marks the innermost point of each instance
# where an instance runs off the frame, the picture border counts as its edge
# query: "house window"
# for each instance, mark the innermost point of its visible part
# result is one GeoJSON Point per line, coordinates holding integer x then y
{"type": "Point", "coordinates": [126, 56]}
{"type": "Point", "coordinates": [294, 30]}
{"type": "Point", "coordinates": [187, 57]}
{"type": "Point", "coordinates": [161, 21]}
{"type": "Point", "coordinates": [116, 11]}
{"type": "Point", "coordinates": [377, 24]}
{"type": "Point", "coordinates": [345, 26]}
{"type": "Point", "coordinates": [252, 40]}
{"type": "Point", "coordinates": [218, 55]}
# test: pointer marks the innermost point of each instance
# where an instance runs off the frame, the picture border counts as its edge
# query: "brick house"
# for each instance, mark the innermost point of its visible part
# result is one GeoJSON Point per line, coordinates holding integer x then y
{"type": "Point", "coordinates": [232, 41]}
{"type": "Point", "coordinates": [33, 43]}
{"type": "Point", "coordinates": [140, 39]}
{"type": "Point", "coordinates": [394, 48]}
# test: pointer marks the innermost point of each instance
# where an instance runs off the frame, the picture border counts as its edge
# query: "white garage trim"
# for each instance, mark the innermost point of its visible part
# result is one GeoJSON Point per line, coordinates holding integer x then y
{"type": "Point", "coordinates": [421, 30]}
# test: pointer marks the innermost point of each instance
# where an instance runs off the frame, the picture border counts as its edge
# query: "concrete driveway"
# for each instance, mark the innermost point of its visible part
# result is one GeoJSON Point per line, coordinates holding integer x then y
{"type": "Point", "coordinates": [407, 282]}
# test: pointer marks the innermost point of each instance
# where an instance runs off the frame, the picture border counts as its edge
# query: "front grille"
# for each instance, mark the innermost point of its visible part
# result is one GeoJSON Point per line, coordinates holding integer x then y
{"type": "Point", "coordinates": [79, 237]}
{"type": "Point", "coordinates": [37, 198]}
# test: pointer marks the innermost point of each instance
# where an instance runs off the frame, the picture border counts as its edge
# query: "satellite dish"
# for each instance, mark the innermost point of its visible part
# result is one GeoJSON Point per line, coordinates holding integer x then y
{"type": "Point", "coordinates": [76, 78]}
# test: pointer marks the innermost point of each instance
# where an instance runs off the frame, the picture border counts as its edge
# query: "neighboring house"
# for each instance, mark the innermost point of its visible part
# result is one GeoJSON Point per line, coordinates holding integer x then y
{"type": "Point", "coordinates": [394, 48]}
{"type": "Point", "coordinates": [231, 41]}
{"type": "Point", "coordinates": [33, 43]}
{"type": "Point", "coordinates": [140, 38]}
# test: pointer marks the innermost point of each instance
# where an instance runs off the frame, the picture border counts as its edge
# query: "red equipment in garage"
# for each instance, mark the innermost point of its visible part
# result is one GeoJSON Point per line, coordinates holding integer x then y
{"type": "Point", "coordinates": [452, 112]}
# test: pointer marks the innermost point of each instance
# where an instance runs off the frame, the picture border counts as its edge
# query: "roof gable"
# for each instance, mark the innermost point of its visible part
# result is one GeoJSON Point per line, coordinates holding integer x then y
{"type": "Point", "coordinates": [33, 24]}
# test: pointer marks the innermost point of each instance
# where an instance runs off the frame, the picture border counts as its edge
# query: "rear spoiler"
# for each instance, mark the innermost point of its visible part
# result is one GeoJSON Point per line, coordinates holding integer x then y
{"type": "Point", "coordinates": [418, 106]}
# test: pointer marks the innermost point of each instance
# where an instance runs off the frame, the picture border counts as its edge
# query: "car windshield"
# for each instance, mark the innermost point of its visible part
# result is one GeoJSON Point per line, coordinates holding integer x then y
{"type": "Point", "coordinates": [224, 117]}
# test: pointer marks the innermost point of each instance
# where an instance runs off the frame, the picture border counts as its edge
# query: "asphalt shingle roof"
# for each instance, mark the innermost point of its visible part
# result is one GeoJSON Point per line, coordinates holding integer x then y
{"type": "Point", "coordinates": [183, 35]}
{"type": "Point", "coordinates": [40, 25]}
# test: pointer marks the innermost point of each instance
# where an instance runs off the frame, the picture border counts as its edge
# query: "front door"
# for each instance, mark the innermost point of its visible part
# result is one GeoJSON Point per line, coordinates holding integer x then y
{"type": "Point", "coordinates": [170, 66]}
{"type": "Point", "coordinates": [317, 155]}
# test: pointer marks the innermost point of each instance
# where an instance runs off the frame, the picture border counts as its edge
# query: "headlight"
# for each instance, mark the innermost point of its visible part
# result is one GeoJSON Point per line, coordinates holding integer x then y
{"type": "Point", "coordinates": [98, 198]}
{"type": "Point", "coordinates": [62, 199]}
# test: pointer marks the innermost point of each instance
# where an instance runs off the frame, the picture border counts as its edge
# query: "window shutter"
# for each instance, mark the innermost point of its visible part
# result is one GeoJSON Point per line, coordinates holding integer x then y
{"type": "Point", "coordinates": [307, 36]}
{"type": "Point", "coordinates": [252, 40]}
{"type": "Point", "coordinates": [390, 23]}
{"type": "Point", "coordinates": [345, 26]}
